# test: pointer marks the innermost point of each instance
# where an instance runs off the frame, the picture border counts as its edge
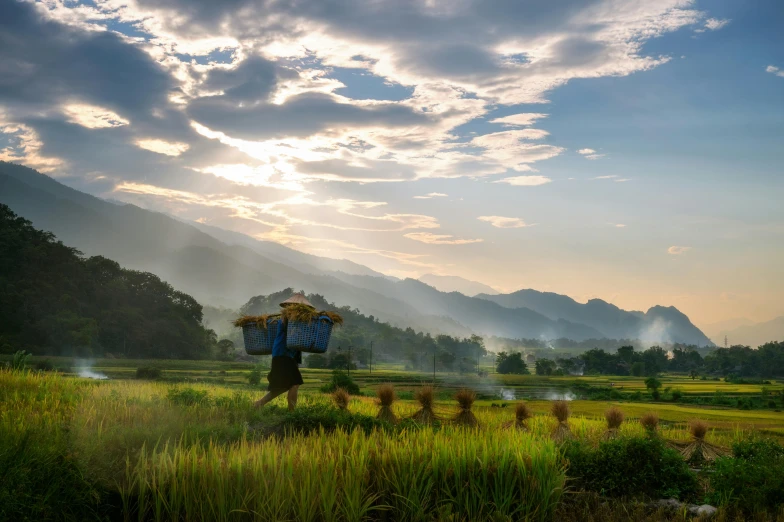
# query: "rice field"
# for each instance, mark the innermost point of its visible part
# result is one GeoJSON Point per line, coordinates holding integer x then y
{"type": "Point", "coordinates": [200, 451]}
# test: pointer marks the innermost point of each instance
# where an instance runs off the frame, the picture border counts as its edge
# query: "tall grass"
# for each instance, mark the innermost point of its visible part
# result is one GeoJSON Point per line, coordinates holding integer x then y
{"type": "Point", "coordinates": [348, 476]}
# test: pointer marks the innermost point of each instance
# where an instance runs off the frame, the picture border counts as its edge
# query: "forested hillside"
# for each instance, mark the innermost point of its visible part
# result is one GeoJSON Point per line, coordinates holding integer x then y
{"type": "Point", "coordinates": [53, 301]}
{"type": "Point", "coordinates": [390, 343]}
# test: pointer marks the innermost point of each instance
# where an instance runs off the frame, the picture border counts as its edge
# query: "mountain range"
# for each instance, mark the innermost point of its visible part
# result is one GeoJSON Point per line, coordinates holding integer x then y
{"type": "Point", "coordinates": [225, 268]}
{"type": "Point", "coordinates": [457, 284]}
{"type": "Point", "coordinates": [746, 332]}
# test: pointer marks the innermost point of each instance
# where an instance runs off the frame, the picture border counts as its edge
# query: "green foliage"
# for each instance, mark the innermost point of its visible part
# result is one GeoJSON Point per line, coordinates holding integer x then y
{"type": "Point", "coordinates": [630, 466]}
{"type": "Point", "coordinates": [316, 360]}
{"type": "Point", "coordinates": [545, 367]}
{"type": "Point", "coordinates": [45, 366]}
{"type": "Point", "coordinates": [653, 384]}
{"type": "Point", "coordinates": [751, 479]}
{"type": "Point", "coordinates": [188, 396]}
{"type": "Point", "coordinates": [40, 480]}
{"type": "Point", "coordinates": [341, 379]}
{"type": "Point", "coordinates": [255, 375]}
{"type": "Point", "coordinates": [19, 361]}
{"type": "Point", "coordinates": [148, 372]}
{"type": "Point", "coordinates": [55, 302]}
{"type": "Point", "coordinates": [638, 369]}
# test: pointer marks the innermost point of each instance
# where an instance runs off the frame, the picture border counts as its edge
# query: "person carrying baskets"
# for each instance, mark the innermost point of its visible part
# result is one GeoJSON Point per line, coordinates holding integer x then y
{"type": "Point", "coordinates": [284, 375]}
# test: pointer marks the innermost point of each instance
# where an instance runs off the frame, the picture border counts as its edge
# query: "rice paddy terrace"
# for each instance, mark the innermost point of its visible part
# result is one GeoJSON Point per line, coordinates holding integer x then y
{"type": "Point", "coordinates": [190, 445]}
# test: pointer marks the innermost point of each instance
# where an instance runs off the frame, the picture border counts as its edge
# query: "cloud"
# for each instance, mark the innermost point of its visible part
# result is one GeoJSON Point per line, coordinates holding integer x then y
{"type": "Point", "coordinates": [93, 117]}
{"type": "Point", "coordinates": [622, 180]}
{"type": "Point", "coordinates": [619, 225]}
{"type": "Point", "coordinates": [713, 24]}
{"type": "Point", "coordinates": [504, 222]}
{"type": "Point", "coordinates": [678, 250]}
{"type": "Point", "coordinates": [774, 70]}
{"type": "Point", "coordinates": [432, 195]}
{"type": "Point", "coordinates": [162, 147]}
{"type": "Point", "coordinates": [519, 120]}
{"type": "Point", "coordinates": [439, 239]}
{"type": "Point", "coordinates": [525, 181]}
{"type": "Point", "coordinates": [590, 154]}
{"type": "Point", "coordinates": [608, 176]}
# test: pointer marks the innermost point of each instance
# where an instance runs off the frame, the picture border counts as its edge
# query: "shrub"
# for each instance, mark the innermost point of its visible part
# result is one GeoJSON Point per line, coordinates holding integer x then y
{"type": "Point", "coordinates": [148, 372]}
{"type": "Point", "coordinates": [188, 396]}
{"type": "Point", "coordinates": [254, 377]}
{"type": "Point", "coordinates": [751, 480]}
{"type": "Point", "coordinates": [20, 360]}
{"type": "Point", "coordinates": [676, 394]}
{"type": "Point", "coordinates": [630, 466]}
{"type": "Point", "coordinates": [316, 360]}
{"type": "Point", "coordinates": [341, 379]}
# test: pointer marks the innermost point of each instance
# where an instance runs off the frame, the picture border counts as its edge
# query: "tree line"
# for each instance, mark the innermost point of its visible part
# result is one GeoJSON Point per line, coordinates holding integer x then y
{"type": "Point", "coordinates": [54, 301]}
{"type": "Point", "coordinates": [736, 361]}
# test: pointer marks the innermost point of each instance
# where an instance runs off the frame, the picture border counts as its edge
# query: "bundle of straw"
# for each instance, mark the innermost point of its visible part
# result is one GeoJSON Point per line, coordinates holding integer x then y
{"type": "Point", "coordinates": [425, 396]}
{"type": "Point", "coordinates": [305, 314]}
{"type": "Point", "coordinates": [259, 320]}
{"type": "Point", "coordinates": [386, 396]}
{"type": "Point", "coordinates": [700, 450]}
{"type": "Point", "coordinates": [614, 418]}
{"type": "Point", "coordinates": [650, 421]}
{"type": "Point", "coordinates": [465, 398]}
{"type": "Point", "coordinates": [341, 398]}
{"type": "Point", "coordinates": [560, 410]}
{"type": "Point", "coordinates": [522, 414]}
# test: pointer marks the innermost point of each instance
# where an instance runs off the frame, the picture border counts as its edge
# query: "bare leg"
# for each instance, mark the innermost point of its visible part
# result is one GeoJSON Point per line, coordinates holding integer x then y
{"type": "Point", "coordinates": [292, 397]}
{"type": "Point", "coordinates": [267, 398]}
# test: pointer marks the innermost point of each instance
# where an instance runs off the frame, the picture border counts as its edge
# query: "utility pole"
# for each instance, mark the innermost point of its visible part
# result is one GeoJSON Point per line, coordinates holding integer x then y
{"type": "Point", "coordinates": [349, 361]}
{"type": "Point", "coordinates": [434, 368]}
{"type": "Point", "coordinates": [371, 358]}
{"type": "Point", "coordinates": [725, 341]}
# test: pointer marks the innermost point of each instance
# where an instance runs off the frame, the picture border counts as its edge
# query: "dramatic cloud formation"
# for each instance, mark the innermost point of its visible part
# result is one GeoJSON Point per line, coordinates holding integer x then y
{"type": "Point", "coordinates": [339, 127]}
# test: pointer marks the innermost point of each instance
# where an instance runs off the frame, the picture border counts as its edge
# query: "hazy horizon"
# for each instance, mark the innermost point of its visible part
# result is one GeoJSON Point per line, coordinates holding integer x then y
{"type": "Point", "coordinates": [629, 153]}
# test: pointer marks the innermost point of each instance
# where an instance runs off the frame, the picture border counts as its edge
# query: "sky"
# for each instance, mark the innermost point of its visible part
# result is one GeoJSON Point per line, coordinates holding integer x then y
{"type": "Point", "coordinates": [617, 149]}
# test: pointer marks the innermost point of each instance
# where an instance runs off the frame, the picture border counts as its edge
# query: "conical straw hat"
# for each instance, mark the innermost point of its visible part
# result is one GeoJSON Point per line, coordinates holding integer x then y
{"type": "Point", "coordinates": [297, 299]}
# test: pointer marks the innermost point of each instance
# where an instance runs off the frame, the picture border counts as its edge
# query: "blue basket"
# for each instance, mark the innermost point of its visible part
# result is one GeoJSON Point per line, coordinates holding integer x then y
{"type": "Point", "coordinates": [258, 341]}
{"type": "Point", "coordinates": [312, 337]}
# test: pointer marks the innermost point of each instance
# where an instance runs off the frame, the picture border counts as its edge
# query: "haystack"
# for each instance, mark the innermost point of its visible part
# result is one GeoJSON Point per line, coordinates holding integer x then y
{"type": "Point", "coordinates": [341, 398]}
{"type": "Point", "coordinates": [522, 414]}
{"type": "Point", "coordinates": [560, 410]}
{"type": "Point", "coordinates": [386, 396]}
{"type": "Point", "coordinates": [259, 320]}
{"type": "Point", "coordinates": [465, 399]}
{"type": "Point", "coordinates": [700, 450]}
{"type": "Point", "coordinates": [302, 313]}
{"type": "Point", "coordinates": [425, 396]}
{"type": "Point", "coordinates": [614, 418]}
{"type": "Point", "coordinates": [650, 421]}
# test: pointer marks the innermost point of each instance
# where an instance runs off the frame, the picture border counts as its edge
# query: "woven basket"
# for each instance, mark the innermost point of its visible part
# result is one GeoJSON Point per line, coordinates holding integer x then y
{"type": "Point", "coordinates": [258, 341]}
{"type": "Point", "coordinates": [309, 337]}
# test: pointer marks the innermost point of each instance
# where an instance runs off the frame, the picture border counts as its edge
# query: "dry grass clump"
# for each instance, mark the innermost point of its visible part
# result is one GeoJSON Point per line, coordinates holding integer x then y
{"type": "Point", "coordinates": [341, 398]}
{"type": "Point", "coordinates": [650, 421]}
{"type": "Point", "coordinates": [522, 414]}
{"type": "Point", "coordinates": [259, 320]}
{"type": "Point", "coordinates": [560, 410]}
{"type": "Point", "coordinates": [305, 314]}
{"type": "Point", "coordinates": [386, 397]}
{"type": "Point", "coordinates": [465, 398]}
{"type": "Point", "coordinates": [425, 396]}
{"type": "Point", "coordinates": [700, 450]}
{"type": "Point", "coordinates": [614, 418]}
